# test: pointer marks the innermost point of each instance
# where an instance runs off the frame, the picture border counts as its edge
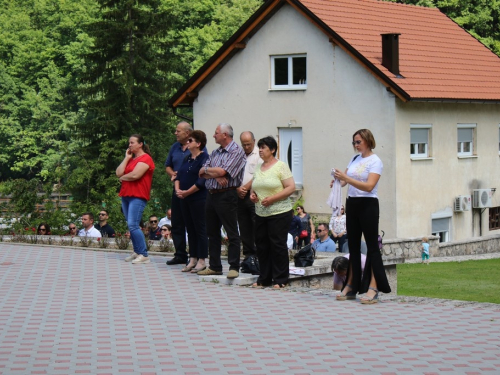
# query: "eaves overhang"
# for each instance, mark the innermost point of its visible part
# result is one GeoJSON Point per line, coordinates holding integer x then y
{"type": "Point", "coordinates": [189, 91]}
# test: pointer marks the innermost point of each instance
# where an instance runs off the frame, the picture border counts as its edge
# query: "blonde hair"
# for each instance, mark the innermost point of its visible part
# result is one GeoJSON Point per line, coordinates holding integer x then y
{"type": "Point", "coordinates": [425, 239]}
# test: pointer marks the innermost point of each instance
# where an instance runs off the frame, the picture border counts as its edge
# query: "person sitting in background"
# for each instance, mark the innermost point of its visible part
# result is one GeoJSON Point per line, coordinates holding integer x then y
{"type": "Point", "coordinates": [166, 232]}
{"type": "Point", "coordinates": [323, 242]}
{"type": "Point", "coordinates": [154, 230]}
{"type": "Point", "coordinates": [103, 226]}
{"type": "Point", "coordinates": [72, 230]}
{"type": "Point", "coordinates": [43, 229]}
{"type": "Point", "coordinates": [88, 226]}
{"type": "Point", "coordinates": [339, 267]}
{"type": "Point", "coordinates": [167, 219]}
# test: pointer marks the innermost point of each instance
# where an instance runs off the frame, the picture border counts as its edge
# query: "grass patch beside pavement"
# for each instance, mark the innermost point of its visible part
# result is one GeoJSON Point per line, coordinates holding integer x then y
{"type": "Point", "coordinates": [473, 280]}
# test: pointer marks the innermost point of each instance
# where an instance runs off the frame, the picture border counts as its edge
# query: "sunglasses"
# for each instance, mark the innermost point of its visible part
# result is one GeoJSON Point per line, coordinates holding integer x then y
{"type": "Point", "coordinates": [42, 229]}
{"type": "Point", "coordinates": [102, 214]}
{"type": "Point", "coordinates": [164, 229]}
{"type": "Point", "coordinates": [191, 140]}
{"type": "Point", "coordinates": [153, 221]}
{"type": "Point", "coordinates": [72, 228]}
{"type": "Point", "coordinates": [356, 143]}
{"type": "Point", "coordinates": [319, 230]}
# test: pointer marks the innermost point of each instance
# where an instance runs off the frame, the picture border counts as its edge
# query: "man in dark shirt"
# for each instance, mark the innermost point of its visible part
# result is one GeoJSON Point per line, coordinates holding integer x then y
{"type": "Point", "coordinates": [295, 228]}
{"type": "Point", "coordinates": [103, 226]}
{"type": "Point", "coordinates": [154, 229]}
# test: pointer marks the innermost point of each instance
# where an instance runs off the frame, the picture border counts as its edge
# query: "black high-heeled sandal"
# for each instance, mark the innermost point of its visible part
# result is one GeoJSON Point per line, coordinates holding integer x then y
{"type": "Point", "coordinates": [368, 300]}
{"type": "Point", "coordinates": [348, 296]}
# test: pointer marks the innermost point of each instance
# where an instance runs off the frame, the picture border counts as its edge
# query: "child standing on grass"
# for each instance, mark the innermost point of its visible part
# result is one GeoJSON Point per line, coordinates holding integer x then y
{"type": "Point", "coordinates": [425, 250]}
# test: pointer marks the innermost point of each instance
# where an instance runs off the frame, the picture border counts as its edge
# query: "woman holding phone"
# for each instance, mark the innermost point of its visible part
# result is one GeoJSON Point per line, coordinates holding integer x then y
{"type": "Point", "coordinates": [136, 175]}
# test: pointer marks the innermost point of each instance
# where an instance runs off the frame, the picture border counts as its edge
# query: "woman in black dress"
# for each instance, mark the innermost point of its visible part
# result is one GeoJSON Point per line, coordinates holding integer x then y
{"type": "Point", "coordinates": [192, 192]}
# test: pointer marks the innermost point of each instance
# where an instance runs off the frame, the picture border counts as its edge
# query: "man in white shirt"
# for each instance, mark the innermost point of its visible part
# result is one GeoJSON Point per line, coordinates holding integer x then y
{"type": "Point", "coordinates": [246, 208]}
{"type": "Point", "coordinates": [88, 226]}
{"type": "Point", "coordinates": [167, 219]}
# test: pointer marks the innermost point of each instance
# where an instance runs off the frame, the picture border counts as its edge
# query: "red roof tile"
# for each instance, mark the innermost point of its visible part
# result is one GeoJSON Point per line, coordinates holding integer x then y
{"type": "Point", "coordinates": [438, 59]}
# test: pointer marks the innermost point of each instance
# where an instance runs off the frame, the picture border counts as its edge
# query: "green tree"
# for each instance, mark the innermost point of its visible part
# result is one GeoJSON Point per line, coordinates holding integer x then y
{"type": "Point", "coordinates": [38, 41]}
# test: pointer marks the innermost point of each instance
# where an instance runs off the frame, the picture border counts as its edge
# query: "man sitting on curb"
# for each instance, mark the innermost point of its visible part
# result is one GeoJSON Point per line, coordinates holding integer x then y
{"type": "Point", "coordinates": [88, 226]}
{"type": "Point", "coordinates": [103, 226]}
{"type": "Point", "coordinates": [323, 241]}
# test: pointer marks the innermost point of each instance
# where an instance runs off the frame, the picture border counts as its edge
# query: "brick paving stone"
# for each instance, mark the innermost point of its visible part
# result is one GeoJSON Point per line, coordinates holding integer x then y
{"type": "Point", "coordinates": [68, 311]}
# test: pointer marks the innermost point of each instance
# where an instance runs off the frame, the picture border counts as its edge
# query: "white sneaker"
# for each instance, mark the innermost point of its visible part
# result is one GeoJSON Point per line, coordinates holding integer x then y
{"type": "Point", "coordinates": [141, 259]}
{"type": "Point", "coordinates": [130, 258]}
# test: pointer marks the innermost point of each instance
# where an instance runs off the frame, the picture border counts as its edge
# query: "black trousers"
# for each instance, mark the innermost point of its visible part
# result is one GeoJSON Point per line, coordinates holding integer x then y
{"type": "Point", "coordinates": [221, 210]}
{"type": "Point", "coordinates": [178, 228]}
{"type": "Point", "coordinates": [362, 219]}
{"type": "Point", "coordinates": [193, 213]}
{"type": "Point", "coordinates": [271, 233]}
{"type": "Point", "coordinates": [246, 223]}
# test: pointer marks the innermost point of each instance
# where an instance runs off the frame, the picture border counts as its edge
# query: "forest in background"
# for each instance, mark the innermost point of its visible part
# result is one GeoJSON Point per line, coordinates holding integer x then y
{"type": "Point", "coordinates": [77, 77]}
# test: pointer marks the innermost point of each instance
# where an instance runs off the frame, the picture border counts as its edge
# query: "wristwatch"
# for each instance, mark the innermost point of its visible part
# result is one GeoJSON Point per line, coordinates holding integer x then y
{"type": "Point", "coordinates": [206, 169]}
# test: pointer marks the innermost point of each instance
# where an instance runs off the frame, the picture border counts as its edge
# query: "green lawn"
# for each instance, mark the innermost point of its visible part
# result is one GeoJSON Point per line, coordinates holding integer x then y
{"type": "Point", "coordinates": [473, 280]}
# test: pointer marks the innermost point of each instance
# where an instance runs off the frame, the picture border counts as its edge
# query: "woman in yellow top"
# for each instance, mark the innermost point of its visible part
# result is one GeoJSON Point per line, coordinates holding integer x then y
{"type": "Point", "coordinates": [271, 187]}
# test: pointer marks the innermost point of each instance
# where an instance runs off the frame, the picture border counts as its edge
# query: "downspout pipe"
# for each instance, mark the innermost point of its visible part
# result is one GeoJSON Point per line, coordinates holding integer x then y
{"type": "Point", "coordinates": [191, 121]}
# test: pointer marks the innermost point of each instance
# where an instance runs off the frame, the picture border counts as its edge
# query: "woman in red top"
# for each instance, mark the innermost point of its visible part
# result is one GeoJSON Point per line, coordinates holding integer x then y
{"type": "Point", "coordinates": [136, 175]}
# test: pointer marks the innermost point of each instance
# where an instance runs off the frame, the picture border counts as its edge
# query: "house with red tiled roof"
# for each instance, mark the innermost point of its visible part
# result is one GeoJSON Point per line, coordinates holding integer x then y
{"type": "Point", "coordinates": [312, 72]}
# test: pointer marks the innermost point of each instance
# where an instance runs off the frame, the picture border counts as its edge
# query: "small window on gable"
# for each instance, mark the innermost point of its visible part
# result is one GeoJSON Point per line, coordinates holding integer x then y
{"type": "Point", "coordinates": [419, 141]}
{"type": "Point", "coordinates": [465, 139]}
{"type": "Point", "coordinates": [289, 72]}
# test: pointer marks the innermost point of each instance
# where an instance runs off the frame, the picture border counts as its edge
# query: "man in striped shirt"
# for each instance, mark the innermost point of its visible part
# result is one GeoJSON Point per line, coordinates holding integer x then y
{"type": "Point", "coordinates": [223, 172]}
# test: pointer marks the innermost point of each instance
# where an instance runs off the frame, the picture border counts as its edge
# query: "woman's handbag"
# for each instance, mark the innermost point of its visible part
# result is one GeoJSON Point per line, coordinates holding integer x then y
{"type": "Point", "coordinates": [250, 265]}
{"type": "Point", "coordinates": [303, 234]}
{"type": "Point", "coordinates": [305, 256]}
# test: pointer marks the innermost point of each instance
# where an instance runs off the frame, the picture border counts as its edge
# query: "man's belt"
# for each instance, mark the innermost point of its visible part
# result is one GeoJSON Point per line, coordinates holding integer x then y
{"type": "Point", "coordinates": [216, 191]}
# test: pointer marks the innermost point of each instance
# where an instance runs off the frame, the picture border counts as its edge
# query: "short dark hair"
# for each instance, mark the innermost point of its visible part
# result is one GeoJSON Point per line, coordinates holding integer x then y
{"type": "Point", "coordinates": [325, 225]}
{"type": "Point", "coordinates": [200, 137]}
{"type": "Point", "coordinates": [89, 214]}
{"type": "Point", "coordinates": [269, 142]}
{"type": "Point", "coordinates": [340, 264]}
{"type": "Point", "coordinates": [153, 216]}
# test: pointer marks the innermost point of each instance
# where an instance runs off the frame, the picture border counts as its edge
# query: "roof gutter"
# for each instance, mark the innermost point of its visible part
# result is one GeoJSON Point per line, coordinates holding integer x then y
{"type": "Point", "coordinates": [182, 116]}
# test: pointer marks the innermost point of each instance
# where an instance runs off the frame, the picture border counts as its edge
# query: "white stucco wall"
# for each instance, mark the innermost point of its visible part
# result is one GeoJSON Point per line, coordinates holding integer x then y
{"type": "Point", "coordinates": [425, 187]}
{"type": "Point", "coordinates": [341, 97]}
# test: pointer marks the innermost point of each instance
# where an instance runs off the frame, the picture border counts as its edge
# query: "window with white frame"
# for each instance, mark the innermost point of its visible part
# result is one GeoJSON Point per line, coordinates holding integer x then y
{"type": "Point", "coordinates": [441, 228]}
{"type": "Point", "coordinates": [289, 72]}
{"type": "Point", "coordinates": [465, 139]}
{"type": "Point", "coordinates": [419, 141]}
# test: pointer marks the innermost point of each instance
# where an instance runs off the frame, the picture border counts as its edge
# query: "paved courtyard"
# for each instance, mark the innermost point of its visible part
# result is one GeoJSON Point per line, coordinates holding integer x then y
{"type": "Point", "coordinates": [73, 311]}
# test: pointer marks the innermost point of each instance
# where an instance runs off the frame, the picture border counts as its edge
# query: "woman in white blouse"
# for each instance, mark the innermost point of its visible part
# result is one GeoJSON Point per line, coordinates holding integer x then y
{"type": "Point", "coordinates": [362, 175]}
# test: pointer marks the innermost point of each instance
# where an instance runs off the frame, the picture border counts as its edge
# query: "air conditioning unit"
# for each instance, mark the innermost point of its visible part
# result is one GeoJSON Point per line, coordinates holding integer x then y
{"type": "Point", "coordinates": [462, 203]}
{"type": "Point", "coordinates": [481, 198]}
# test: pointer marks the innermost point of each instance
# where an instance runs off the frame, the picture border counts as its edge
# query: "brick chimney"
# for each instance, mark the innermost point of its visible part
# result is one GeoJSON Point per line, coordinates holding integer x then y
{"type": "Point", "coordinates": [390, 52]}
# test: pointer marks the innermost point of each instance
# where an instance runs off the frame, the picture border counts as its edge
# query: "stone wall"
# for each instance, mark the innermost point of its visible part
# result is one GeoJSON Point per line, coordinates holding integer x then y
{"type": "Point", "coordinates": [409, 248]}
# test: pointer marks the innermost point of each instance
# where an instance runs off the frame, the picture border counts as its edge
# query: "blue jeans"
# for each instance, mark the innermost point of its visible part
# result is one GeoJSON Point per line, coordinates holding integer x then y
{"type": "Point", "coordinates": [133, 209]}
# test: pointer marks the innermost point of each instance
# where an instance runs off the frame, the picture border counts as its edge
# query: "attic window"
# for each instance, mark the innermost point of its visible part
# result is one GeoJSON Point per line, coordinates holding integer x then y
{"type": "Point", "coordinates": [289, 72]}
